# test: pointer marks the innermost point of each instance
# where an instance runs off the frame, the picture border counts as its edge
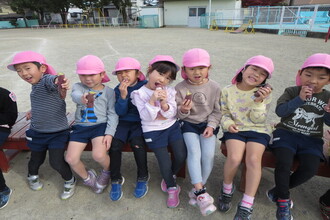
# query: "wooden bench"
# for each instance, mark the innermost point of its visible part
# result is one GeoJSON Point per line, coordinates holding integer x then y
{"type": "Point", "coordinates": [16, 143]}
{"type": "Point", "coordinates": [268, 160]}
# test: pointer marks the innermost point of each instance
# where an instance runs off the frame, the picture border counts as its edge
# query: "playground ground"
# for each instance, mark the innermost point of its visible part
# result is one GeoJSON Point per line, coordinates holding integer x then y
{"type": "Point", "coordinates": [63, 47]}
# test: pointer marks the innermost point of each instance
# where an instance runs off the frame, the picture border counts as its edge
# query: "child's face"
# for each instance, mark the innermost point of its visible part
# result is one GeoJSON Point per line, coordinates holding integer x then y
{"type": "Point", "coordinates": [128, 76]}
{"type": "Point", "coordinates": [317, 77]}
{"type": "Point", "coordinates": [253, 76]}
{"type": "Point", "coordinates": [30, 72]}
{"type": "Point", "coordinates": [92, 81]}
{"type": "Point", "coordinates": [157, 79]}
{"type": "Point", "coordinates": [197, 74]}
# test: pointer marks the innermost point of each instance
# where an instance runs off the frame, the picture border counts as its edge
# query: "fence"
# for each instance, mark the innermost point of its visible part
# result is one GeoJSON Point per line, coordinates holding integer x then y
{"type": "Point", "coordinates": [310, 18]}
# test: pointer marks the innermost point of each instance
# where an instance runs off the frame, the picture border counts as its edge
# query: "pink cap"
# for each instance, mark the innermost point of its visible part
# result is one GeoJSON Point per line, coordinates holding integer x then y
{"type": "Point", "coordinates": [316, 60]}
{"type": "Point", "coordinates": [195, 57]}
{"type": "Point", "coordinates": [28, 57]}
{"type": "Point", "coordinates": [164, 58]}
{"type": "Point", "coordinates": [260, 61]}
{"type": "Point", "coordinates": [129, 63]}
{"type": "Point", "coordinates": [91, 64]}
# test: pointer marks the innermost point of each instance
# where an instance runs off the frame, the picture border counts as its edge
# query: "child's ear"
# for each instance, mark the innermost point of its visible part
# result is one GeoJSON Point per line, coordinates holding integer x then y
{"type": "Point", "coordinates": [102, 74]}
{"type": "Point", "coordinates": [43, 68]}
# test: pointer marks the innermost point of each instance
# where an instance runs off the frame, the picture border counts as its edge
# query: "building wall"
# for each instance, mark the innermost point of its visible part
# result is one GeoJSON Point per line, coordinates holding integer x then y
{"type": "Point", "coordinates": [176, 12]}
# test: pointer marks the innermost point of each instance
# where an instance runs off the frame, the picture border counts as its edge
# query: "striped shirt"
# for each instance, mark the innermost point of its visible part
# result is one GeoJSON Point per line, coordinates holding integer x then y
{"type": "Point", "coordinates": [47, 108]}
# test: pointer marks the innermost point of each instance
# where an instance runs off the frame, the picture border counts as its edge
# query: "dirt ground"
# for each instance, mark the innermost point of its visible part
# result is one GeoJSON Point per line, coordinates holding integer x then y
{"type": "Point", "coordinates": [63, 47]}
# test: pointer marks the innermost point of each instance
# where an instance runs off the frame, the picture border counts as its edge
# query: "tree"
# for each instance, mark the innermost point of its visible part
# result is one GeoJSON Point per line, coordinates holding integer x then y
{"type": "Point", "coordinates": [90, 5]}
{"type": "Point", "coordinates": [247, 3]}
{"type": "Point", "coordinates": [121, 6]}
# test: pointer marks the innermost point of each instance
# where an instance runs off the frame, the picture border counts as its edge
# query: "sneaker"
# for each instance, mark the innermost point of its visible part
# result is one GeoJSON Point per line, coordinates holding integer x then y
{"type": "Point", "coordinates": [173, 197]}
{"type": "Point", "coordinates": [91, 180]}
{"type": "Point", "coordinates": [4, 197]}
{"type": "Point", "coordinates": [102, 181]}
{"type": "Point", "coordinates": [273, 198]}
{"type": "Point", "coordinates": [69, 188]}
{"type": "Point", "coordinates": [163, 185]}
{"type": "Point", "coordinates": [141, 188]}
{"type": "Point", "coordinates": [243, 213]}
{"type": "Point", "coordinates": [34, 182]}
{"type": "Point", "coordinates": [192, 197]}
{"type": "Point", "coordinates": [283, 209]}
{"type": "Point", "coordinates": [225, 200]}
{"type": "Point", "coordinates": [205, 204]}
{"type": "Point", "coordinates": [116, 192]}
{"type": "Point", "coordinates": [325, 211]}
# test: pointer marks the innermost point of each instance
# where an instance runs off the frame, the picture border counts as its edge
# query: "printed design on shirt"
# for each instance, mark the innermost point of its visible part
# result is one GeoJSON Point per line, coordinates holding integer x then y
{"type": "Point", "coordinates": [88, 114]}
{"type": "Point", "coordinates": [307, 116]}
{"type": "Point", "coordinates": [199, 98]}
{"type": "Point", "coordinates": [12, 96]}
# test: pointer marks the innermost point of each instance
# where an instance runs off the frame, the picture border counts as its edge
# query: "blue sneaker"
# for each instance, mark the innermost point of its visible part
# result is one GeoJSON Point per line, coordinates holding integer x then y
{"type": "Point", "coordinates": [4, 197]}
{"type": "Point", "coordinates": [141, 188]}
{"type": "Point", "coordinates": [116, 192]}
{"type": "Point", "coordinates": [283, 209]}
{"type": "Point", "coordinates": [273, 198]}
{"type": "Point", "coordinates": [225, 200]}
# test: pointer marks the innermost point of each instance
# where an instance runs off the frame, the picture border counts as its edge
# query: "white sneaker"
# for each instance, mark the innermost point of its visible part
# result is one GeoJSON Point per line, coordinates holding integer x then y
{"type": "Point", "coordinates": [69, 188]}
{"type": "Point", "coordinates": [34, 182]}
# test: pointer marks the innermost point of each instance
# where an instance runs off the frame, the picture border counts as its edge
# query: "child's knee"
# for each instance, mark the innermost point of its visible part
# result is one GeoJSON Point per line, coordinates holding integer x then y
{"type": "Point", "coordinates": [71, 159]}
{"type": "Point", "coordinates": [99, 156]}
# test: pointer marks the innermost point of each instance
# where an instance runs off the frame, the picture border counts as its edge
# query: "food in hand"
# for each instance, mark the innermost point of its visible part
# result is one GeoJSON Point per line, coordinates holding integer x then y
{"type": "Point", "coordinates": [90, 99]}
{"type": "Point", "coordinates": [267, 85]}
{"type": "Point", "coordinates": [60, 81]}
{"type": "Point", "coordinates": [188, 95]}
{"type": "Point", "coordinates": [311, 87]}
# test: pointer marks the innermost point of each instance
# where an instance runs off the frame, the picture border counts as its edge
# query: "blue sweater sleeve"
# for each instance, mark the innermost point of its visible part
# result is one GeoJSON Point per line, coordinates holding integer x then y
{"type": "Point", "coordinates": [327, 118]}
{"type": "Point", "coordinates": [287, 108]}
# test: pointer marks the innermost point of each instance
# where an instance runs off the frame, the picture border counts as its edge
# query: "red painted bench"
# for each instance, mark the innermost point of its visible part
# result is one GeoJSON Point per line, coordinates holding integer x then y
{"type": "Point", "coordinates": [268, 160]}
{"type": "Point", "coordinates": [16, 143]}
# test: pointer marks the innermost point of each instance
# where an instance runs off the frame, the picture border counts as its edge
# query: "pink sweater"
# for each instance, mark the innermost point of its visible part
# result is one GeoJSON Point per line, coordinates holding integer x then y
{"type": "Point", "coordinates": [149, 114]}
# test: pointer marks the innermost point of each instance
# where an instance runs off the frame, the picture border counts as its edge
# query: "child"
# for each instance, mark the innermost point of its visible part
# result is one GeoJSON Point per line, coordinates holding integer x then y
{"type": "Point", "coordinates": [129, 128]}
{"type": "Point", "coordinates": [303, 110]}
{"type": "Point", "coordinates": [95, 121]}
{"type": "Point", "coordinates": [200, 117]}
{"type": "Point", "coordinates": [8, 116]}
{"type": "Point", "coordinates": [157, 107]}
{"type": "Point", "coordinates": [49, 128]}
{"type": "Point", "coordinates": [244, 106]}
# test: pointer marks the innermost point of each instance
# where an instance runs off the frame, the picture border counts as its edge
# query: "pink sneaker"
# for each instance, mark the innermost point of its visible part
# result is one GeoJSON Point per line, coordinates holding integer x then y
{"type": "Point", "coordinates": [192, 197]}
{"type": "Point", "coordinates": [205, 204]}
{"type": "Point", "coordinates": [173, 197]}
{"type": "Point", "coordinates": [163, 186]}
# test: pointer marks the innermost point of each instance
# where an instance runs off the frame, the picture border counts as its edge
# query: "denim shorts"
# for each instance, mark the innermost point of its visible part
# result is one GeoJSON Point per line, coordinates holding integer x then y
{"type": "Point", "coordinates": [126, 130]}
{"type": "Point", "coordinates": [248, 136]}
{"type": "Point", "coordinates": [297, 143]}
{"type": "Point", "coordinates": [158, 139]}
{"type": "Point", "coordinates": [195, 128]}
{"type": "Point", "coordinates": [37, 141]}
{"type": "Point", "coordinates": [84, 134]}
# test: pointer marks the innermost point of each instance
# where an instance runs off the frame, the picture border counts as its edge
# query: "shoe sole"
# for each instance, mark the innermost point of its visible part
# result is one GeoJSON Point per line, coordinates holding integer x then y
{"type": "Point", "coordinates": [11, 191]}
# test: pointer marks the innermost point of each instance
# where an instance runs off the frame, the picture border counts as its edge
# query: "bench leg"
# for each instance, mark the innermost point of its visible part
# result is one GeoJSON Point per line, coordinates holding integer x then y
{"type": "Point", "coordinates": [4, 162]}
{"type": "Point", "coordinates": [243, 178]}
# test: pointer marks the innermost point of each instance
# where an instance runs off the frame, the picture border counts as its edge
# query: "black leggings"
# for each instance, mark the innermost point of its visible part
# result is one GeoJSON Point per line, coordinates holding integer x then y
{"type": "Point", "coordinates": [140, 154]}
{"type": "Point", "coordinates": [166, 166]}
{"type": "Point", "coordinates": [308, 166]}
{"type": "Point", "coordinates": [56, 160]}
{"type": "Point", "coordinates": [3, 185]}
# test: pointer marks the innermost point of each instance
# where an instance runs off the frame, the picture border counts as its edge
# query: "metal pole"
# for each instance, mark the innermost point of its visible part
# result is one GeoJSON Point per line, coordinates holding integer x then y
{"type": "Point", "coordinates": [210, 7]}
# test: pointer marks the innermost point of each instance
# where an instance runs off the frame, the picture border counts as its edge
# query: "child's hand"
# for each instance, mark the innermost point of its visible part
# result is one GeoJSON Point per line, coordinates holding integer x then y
{"type": "Point", "coordinates": [84, 99]}
{"type": "Point", "coordinates": [28, 115]}
{"type": "Point", "coordinates": [186, 106]}
{"type": "Point", "coordinates": [263, 93]}
{"type": "Point", "coordinates": [306, 92]}
{"type": "Point", "coordinates": [107, 139]}
{"type": "Point", "coordinates": [158, 95]}
{"type": "Point", "coordinates": [233, 128]}
{"type": "Point", "coordinates": [208, 132]}
{"type": "Point", "coordinates": [123, 88]}
{"type": "Point", "coordinates": [327, 107]}
{"type": "Point", "coordinates": [66, 84]}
